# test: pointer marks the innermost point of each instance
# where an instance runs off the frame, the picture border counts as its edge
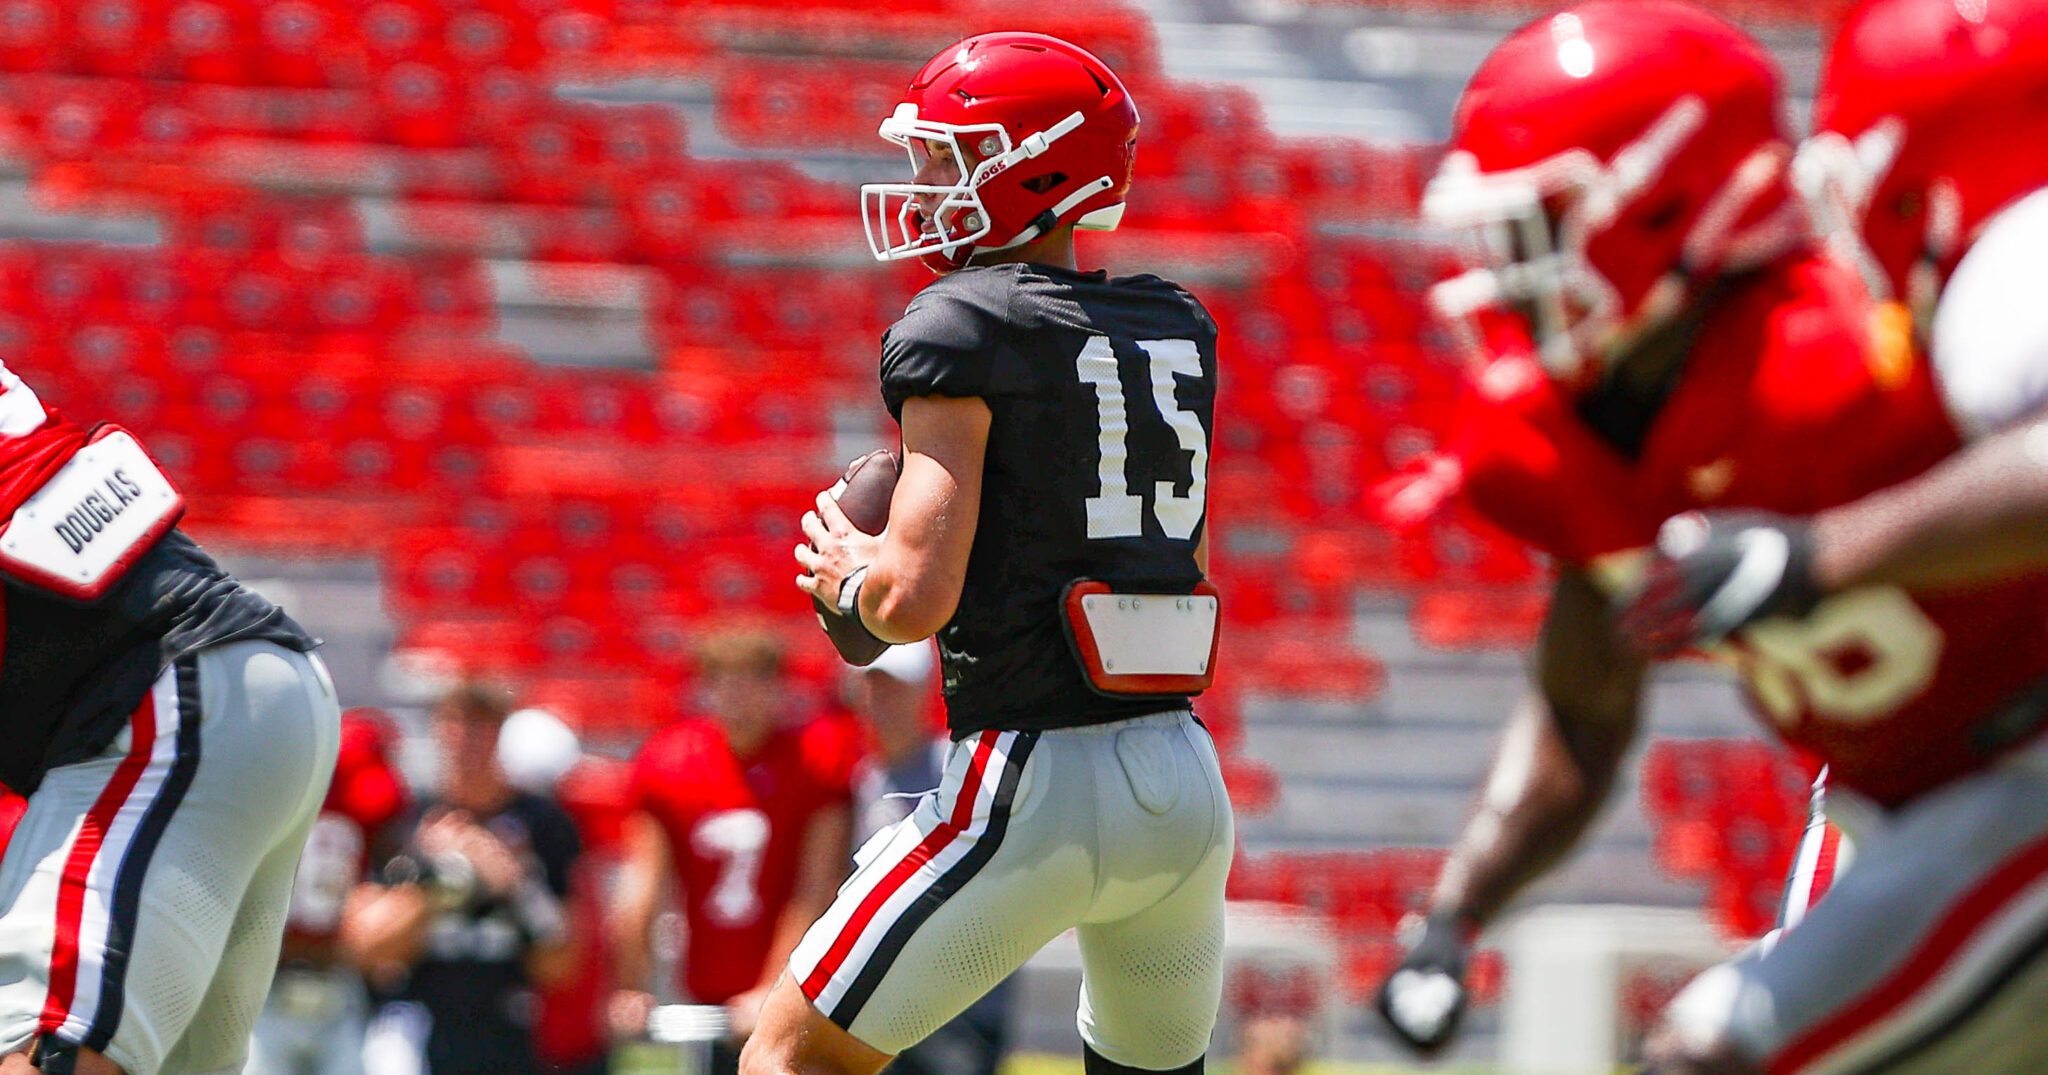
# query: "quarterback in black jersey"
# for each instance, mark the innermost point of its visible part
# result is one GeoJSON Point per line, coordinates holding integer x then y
{"type": "Point", "coordinates": [1049, 530]}
{"type": "Point", "coordinates": [1098, 393]}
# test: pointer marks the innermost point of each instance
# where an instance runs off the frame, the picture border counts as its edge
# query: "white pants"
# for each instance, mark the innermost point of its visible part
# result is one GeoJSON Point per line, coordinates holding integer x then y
{"type": "Point", "coordinates": [1925, 956]}
{"type": "Point", "coordinates": [142, 898]}
{"type": "Point", "coordinates": [1121, 832]}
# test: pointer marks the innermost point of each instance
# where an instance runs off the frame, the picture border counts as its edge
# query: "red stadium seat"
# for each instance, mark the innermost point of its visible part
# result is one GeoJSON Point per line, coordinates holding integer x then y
{"type": "Point", "coordinates": [36, 37]}
{"type": "Point", "coordinates": [210, 41]}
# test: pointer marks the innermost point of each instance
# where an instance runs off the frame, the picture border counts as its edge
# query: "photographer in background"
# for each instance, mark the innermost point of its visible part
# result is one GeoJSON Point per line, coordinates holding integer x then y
{"type": "Point", "coordinates": [468, 917]}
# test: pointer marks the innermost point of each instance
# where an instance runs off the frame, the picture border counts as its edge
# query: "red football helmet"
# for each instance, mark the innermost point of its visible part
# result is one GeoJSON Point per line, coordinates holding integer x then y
{"type": "Point", "coordinates": [1043, 134]}
{"type": "Point", "coordinates": [1612, 159]}
{"type": "Point", "coordinates": [1931, 116]}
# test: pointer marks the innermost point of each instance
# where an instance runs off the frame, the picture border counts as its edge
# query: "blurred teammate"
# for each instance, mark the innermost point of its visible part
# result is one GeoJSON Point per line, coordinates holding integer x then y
{"type": "Point", "coordinates": [1055, 428]}
{"type": "Point", "coordinates": [1626, 164]}
{"type": "Point", "coordinates": [749, 817]}
{"type": "Point", "coordinates": [892, 696]}
{"type": "Point", "coordinates": [466, 920]}
{"type": "Point", "coordinates": [174, 734]}
{"type": "Point", "coordinates": [1927, 114]}
{"type": "Point", "coordinates": [312, 1023]}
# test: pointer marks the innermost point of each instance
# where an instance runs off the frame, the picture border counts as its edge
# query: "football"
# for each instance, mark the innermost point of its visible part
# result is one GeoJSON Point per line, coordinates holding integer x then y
{"type": "Point", "coordinates": [863, 493]}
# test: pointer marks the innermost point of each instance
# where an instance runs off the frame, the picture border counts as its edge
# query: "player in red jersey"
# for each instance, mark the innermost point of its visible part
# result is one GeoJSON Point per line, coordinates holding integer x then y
{"type": "Point", "coordinates": [1925, 165]}
{"type": "Point", "coordinates": [750, 818]}
{"type": "Point", "coordinates": [1922, 172]}
{"type": "Point", "coordinates": [313, 1019]}
{"type": "Point", "coordinates": [1685, 350]}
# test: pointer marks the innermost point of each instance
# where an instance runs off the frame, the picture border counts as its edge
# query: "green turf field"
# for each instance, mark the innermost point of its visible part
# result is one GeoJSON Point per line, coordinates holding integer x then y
{"type": "Point", "coordinates": [1043, 1064]}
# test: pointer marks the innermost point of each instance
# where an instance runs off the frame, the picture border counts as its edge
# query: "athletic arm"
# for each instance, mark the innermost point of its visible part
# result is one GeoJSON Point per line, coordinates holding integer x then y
{"type": "Point", "coordinates": [1979, 515]}
{"type": "Point", "coordinates": [1983, 512]}
{"type": "Point", "coordinates": [827, 843]}
{"type": "Point", "coordinates": [1557, 759]}
{"type": "Point", "coordinates": [917, 566]}
{"type": "Point", "coordinates": [555, 960]}
{"type": "Point", "coordinates": [642, 880]}
{"type": "Point", "coordinates": [384, 929]}
{"type": "Point", "coordinates": [827, 848]}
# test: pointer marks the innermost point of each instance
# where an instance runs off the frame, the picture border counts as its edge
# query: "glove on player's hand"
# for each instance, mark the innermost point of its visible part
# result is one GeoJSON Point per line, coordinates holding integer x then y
{"type": "Point", "coordinates": [1424, 998]}
{"type": "Point", "coordinates": [1717, 573]}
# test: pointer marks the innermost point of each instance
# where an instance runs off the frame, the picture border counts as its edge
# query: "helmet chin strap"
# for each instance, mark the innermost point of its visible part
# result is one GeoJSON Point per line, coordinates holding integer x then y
{"type": "Point", "coordinates": [1049, 219]}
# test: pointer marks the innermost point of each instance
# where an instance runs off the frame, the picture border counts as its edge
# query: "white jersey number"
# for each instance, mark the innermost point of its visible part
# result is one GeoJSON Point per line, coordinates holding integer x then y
{"type": "Point", "coordinates": [1119, 513]}
{"type": "Point", "coordinates": [737, 838]}
{"type": "Point", "coordinates": [1858, 657]}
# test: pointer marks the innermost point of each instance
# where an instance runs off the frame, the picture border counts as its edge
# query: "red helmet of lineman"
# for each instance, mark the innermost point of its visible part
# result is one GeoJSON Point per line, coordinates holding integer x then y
{"type": "Point", "coordinates": [1931, 116]}
{"type": "Point", "coordinates": [1613, 158]}
{"type": "Point", "coordinates": [1041, 132]}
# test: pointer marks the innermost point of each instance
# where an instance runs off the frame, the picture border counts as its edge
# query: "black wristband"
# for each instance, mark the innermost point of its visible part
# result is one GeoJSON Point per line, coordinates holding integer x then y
{"type": "Point", "coordinates": [53, 1055]}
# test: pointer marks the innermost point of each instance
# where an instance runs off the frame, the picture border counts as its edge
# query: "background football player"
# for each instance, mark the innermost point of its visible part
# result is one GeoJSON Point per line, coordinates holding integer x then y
{"type": "Point", "coordinates": [1927, 115]}
{"type": "Point", "coordinates": [1687, 349]}
{"type": "Point", "coordinates": [746, 815]}
{"type": "Point", "coordinates": [1056, 427]}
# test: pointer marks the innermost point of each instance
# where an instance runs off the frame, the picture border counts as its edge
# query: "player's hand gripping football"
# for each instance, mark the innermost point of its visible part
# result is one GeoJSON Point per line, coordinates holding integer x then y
{"type": "Point", "coordinates": [835, 549]}
{"type": "Point", "coordinates": [1717, 572]}
{"type": "Point", "coordinates": [1424, 998]}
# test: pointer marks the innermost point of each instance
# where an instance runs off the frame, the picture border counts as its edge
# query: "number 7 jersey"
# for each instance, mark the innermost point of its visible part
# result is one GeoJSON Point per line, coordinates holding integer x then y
{"type": "Point", "coordinates": [1102, 396]}
{"type": "Point", "coordinates": [1795, 398]}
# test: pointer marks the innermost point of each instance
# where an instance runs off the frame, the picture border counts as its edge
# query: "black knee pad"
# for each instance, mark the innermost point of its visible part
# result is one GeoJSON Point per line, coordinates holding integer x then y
{"type": "Point", "coordinates": [1094, 1063]}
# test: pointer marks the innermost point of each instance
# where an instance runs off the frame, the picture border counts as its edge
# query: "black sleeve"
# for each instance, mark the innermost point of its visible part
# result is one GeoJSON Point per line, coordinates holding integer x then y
{"type": "Point", "coordinates": [951, 342]}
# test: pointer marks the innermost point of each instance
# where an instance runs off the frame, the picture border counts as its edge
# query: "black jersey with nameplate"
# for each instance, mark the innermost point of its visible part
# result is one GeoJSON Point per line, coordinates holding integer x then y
{"type": "Point", "coordinates": [71, 673]}
{"type": "Point", "coordinates": [72, 670]}
{"type": "Point", "coordinates": [1102, 396]}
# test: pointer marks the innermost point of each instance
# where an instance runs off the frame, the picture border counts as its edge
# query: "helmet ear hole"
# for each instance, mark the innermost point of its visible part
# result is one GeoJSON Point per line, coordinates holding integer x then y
{"type": "Point", "coordinates": [1043, 183]}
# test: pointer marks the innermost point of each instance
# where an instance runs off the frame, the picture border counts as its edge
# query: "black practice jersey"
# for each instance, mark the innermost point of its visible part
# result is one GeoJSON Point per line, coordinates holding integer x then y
{"type": "Point", "coordinates": [71, 674]}
{"type": "Point", "coordinates": [1103, 394]}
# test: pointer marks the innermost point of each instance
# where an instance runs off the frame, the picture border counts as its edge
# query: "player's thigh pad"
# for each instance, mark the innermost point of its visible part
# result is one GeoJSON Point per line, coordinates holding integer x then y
{"type": "Point", "coordinates": [129, 872]}
{"type": "Point", "coordinates": [1152, 944]}
{"type": "Point", "coordinates": [1925, 956]}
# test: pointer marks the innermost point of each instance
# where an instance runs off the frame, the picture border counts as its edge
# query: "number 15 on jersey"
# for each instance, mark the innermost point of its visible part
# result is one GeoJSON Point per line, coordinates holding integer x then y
{"type": "Point", "coordinates": [1118, 512]}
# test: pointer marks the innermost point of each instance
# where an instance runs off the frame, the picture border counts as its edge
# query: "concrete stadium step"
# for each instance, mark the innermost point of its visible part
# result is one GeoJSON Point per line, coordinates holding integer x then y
{"type": "Point", "coordinates": [1366, 753]}
{"type": "Point", "coordinates": [1421, 812]}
